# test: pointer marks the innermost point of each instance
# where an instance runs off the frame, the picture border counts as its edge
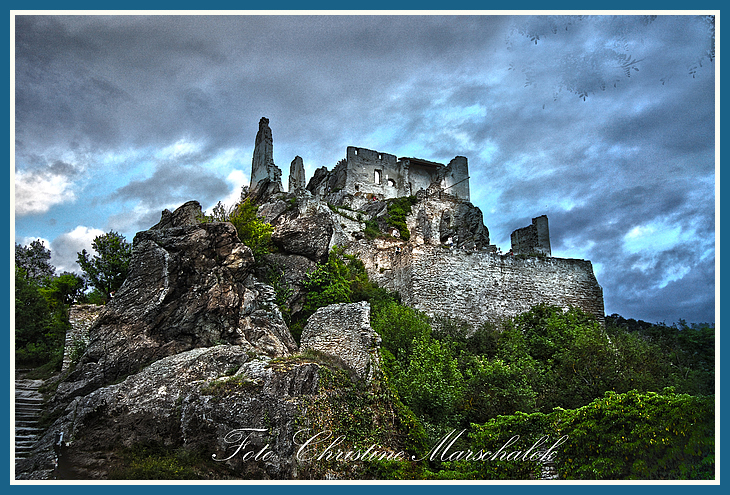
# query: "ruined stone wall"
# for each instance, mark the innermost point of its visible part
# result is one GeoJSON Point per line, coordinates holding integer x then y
{"type": "Point", "coordinates": [81, 317]}
{"type": "Point", "coordinates": [532, 239]}
{"type": "Point", "coordinates": [374, 172]}
{"type": "Point", "coordinates": [481, 286]}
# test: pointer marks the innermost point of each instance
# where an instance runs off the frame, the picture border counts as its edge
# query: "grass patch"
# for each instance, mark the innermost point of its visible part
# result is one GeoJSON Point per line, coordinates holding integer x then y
{"type": "Point", "coordinates": [231, 384]}
{"type": "Point", "coordinates": [151, 461]}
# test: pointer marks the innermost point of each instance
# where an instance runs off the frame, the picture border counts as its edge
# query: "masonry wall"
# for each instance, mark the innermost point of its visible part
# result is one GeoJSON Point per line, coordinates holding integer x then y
{"type": "Point", "coordinates": [481, 286]}
{"type": "Point", "coordinates": [81, 317]}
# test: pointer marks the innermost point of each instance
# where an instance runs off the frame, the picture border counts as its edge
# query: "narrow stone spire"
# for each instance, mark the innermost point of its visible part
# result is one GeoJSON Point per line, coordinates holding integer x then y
{"type": "Point", "coordinates": [262, 166]}
{"type": "Point", "coordinates": [297, 180]}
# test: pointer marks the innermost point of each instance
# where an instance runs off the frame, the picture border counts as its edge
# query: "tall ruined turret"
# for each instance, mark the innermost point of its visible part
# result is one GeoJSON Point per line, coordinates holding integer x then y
{"type": "Point", "coordinates": [263, 167]}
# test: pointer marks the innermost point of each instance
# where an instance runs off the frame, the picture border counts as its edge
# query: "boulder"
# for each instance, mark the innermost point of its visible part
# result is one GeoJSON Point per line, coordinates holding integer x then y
{"type": "Point", "coordinates": [343, 330]}
{"type": "Point", "coordinates": [307, 236]}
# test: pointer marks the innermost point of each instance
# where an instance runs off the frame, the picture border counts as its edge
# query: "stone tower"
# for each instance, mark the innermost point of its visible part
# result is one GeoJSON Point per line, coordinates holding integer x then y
{"type": "Point", "coordinates": [297, 180]}
{"type": "Point", "coordinates": [533, 239]}
{"type": "Point", "coordinates": [263, 166]}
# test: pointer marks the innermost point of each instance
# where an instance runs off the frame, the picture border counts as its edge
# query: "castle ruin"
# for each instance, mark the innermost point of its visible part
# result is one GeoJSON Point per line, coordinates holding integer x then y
{"type": "Point", "coordinates": [447, 265]}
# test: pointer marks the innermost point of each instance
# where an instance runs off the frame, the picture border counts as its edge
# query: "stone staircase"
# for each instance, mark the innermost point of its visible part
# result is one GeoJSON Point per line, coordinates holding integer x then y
{"type": "Point", "coordinates": [28, 408]}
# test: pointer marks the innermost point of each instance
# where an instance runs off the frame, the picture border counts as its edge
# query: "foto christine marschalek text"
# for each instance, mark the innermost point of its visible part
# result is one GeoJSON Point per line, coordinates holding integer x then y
{"type": "Point", "coordinates": [324, 446]}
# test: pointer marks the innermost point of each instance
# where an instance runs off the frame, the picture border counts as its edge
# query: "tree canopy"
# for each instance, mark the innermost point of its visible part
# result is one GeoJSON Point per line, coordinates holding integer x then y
{"type": "Point", "coordinates": [106, 270]}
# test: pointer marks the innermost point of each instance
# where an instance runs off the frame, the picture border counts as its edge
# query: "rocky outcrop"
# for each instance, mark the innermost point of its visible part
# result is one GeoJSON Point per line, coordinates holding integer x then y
{"type": "Point", "coordinates": [297, 180]}
{"type": "Point", "coordinates": [308, 236]}
{"type": "Point", "coordinates": [194, 400]}
{"type": "Point", "coordinates": [290, 271]}
{"type": "Point", "coordinates": [187, 287]}
{"type": "Point", "coordinates": [343, 330]}
{"type": "Point", "coordinates": [262, 165]}
{"type": "Point", "coordinates": [465, 225]}
{"type": "Point", "coordinates": [189, 213]}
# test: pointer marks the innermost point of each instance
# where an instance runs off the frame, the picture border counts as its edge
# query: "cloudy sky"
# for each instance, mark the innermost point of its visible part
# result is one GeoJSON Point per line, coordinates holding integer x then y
{"type": "Point", "coordinates": [604, 123]}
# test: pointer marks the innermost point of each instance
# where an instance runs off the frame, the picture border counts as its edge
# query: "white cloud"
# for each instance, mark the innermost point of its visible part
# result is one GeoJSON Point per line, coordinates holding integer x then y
{"type": "Point", "coordinates": [237, 179]}
{"type": "Point", "coordinates": [37, 192]}
{"type": "Point", "coordinates": [25, 241]}
{"type": "Point", "coordinates": [180, 149]}
{"type": "Point", "coordinates": [65, 247]}
{"type": "Point", "coordinates": [655, 237]}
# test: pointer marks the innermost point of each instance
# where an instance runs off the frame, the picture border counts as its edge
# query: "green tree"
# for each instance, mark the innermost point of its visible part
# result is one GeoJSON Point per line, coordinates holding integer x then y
{"type": "Point", "coordinates": [107, 269]}
{"type": "Point", "coordinates": [32, 313]}
{"type": "Point", "coordinates": [400, 327]}
{"type": "Point", "coordinates": [64, 290]}
{"type": "Point", "coordinates": [494, 388]}
{"type": "Point", "coordinates": [35, 260]}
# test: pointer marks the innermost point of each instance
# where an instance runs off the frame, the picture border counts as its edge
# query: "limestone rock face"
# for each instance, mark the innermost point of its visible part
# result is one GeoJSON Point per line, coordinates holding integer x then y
{"type": "Point", "coordinates": [262, 166]}
{"type": "Point", "coordinates": [187, 214]}
{"type": "Point", "coordinates": [324, 182]}
{"type": "Point", "coordinates": [307, 236]}
{"type": "Point", "coordinates": [297, 180]}
{"type": "Point", "coordinates": [464, 224]}
{"type": "Point", "coordinates": [293, 269]}
{"type": "Point", "coordinates": [187, 287]}
{"type": "Point", "coordinates": [343, 330]}
{"type": "Point", "coordinates": [184, 400]}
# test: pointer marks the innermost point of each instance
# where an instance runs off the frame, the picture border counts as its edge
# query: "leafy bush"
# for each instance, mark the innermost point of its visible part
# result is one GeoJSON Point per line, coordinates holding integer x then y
{"type": "Point", "coordinates": [495, 388]}
{"type": "Point", "coordinates": [399, 328]}
{"type": "Point", "coordinates": [432, 385]}
{"type": "Point", "coordinates": [252, 230]}
{"type": "Point", "coordinates": [641, 436]}
{"type": "Point", "coordinates": [626, 436]}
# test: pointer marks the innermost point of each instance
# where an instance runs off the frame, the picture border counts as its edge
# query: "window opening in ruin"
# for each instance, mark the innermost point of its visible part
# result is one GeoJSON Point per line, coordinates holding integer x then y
{"type": "Point", "coordinates": [356, 152]}
{"type": "Point", "coordinates": [357, 187]}
{"type": "Point", "coordinates": [378, 175]}
{"type": "Point", "coordinates": [391, 182]}
{"type": "Point", "coordinates": [380, 156]}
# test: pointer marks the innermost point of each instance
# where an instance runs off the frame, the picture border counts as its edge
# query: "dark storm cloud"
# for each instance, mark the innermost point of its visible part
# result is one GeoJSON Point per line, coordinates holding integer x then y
{"type": "Point", "coordinates": [172, 182]}
{"type": "Point", "coordinates": [112, 80]}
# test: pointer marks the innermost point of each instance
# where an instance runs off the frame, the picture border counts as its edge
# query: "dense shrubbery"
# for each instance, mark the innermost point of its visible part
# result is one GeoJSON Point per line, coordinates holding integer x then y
{"type": "Point", "coordinates": [633, 435]}
{"type": "Point", "coordinates": [549, 358]}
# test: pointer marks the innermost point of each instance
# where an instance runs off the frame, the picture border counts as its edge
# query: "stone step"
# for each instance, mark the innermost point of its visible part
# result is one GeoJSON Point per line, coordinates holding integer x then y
{"type": "Point", "coordinates": [26, 440]}
{"type": "Point", "coordinates": [26, 426]}
{"type": "Point", "coordinates": [26, 415]}
{"type": "Point", "coordinates": [28, 407]}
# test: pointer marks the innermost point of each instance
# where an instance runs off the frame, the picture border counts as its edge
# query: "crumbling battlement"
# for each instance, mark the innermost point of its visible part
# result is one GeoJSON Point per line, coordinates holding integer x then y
{"type": "Point", "coordinates": [533, 239]}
